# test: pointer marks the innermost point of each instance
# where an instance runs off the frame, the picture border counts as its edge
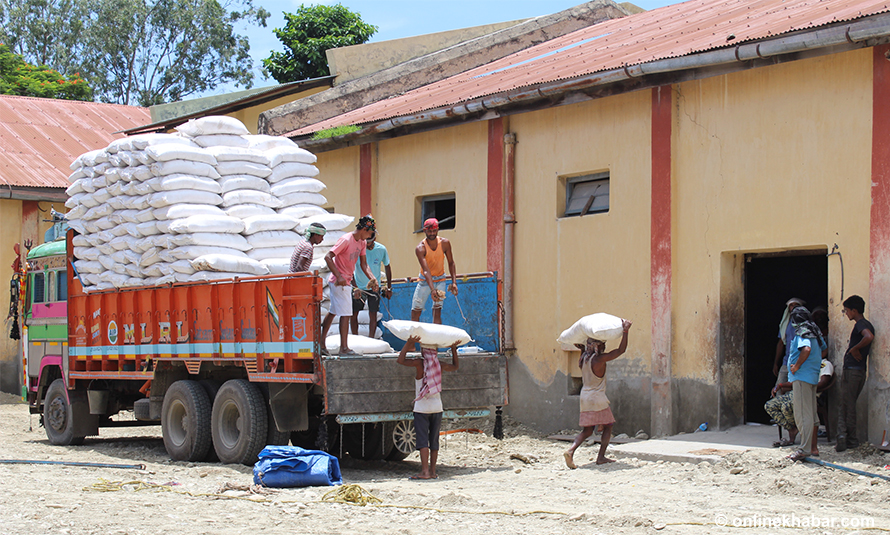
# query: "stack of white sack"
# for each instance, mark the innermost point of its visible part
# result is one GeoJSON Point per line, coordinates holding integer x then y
{"type": "Point", "coordinates": [599, 326]}
{"type": "Point", "coordinates": [291, 184]}
{"type": "Point", "coordinates": [360, 344]}
{"type": "Point", "coordinates": [364, 325]}
{"type": "Point", "coordinates": [430, 334]}
{"type": "Point", "coordinates": [128, 200]}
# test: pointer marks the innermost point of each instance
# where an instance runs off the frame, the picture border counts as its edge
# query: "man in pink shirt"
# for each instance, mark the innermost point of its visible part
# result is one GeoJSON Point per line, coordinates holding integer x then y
{"type": "Point", "coordinates": [341, 261]}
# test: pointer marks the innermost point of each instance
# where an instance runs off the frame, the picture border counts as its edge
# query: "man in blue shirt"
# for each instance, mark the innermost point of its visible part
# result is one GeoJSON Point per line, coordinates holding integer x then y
{"type": "Point", "coordinates": [804, 364]}
{"type": "Point", "coordinates": [375, 255]}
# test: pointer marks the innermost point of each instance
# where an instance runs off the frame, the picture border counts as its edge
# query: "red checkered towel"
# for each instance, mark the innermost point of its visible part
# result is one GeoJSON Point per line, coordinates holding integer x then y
{"type": "Point", "coordinates": [432, 373]}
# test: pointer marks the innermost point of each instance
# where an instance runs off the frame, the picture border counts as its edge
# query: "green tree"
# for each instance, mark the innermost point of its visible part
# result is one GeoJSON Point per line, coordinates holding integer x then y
{"type": "Point", "coordinates": [141, 52]}
{"type": "Point", "coordinates": [18, 77]}
{"type": "Point", "coordinates": [307, 34]}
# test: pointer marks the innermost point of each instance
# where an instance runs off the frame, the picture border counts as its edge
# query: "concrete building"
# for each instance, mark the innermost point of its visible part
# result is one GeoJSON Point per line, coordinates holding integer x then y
{"type": "Point", "coordinates": [689, 168]}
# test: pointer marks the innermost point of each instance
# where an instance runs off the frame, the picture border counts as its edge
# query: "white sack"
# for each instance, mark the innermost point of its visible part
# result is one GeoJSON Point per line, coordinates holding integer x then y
{"type": "Point", "coordinates": [330, 238]}
{"type": "Point", "coordinates": [264, 142]}
{"type": "Point", "coordinates": [211, 275]}
{"type": "Point", "coordinates": [232, 182]}
{"type": "Point", "coordinates": [180, 181]}
{"type": "Point", "coordinates": [213, 239]}
{"type": "Point", "coordinates": [299, 211]}
{"type": "Point", "coordinates": [177, 211]}
{"type": "Point", "coordinates": [330, 221]}
{"type": "Point", "coordinates": [363, 330]}
{"type": "Point", "coordinates": [185, 167]}
{"type": "Point", "coordinates": [278, 155]}
{"type": "Point", "coordinates": [276, 266]}
{"type": "Point", "coordinates": [297, 184]}
{"type": "Point", "coordinates": [203, 223]}
{"type": "Point", "coordinates": [174, 151]}
{"type": "Point", "coordinates": [430, 334]}
{"type": "Point", "coordinates": [213, 124]}
{"type": "Point", "coordinates": [221, 140]}
{"type": "Point", "coordinates": [180, 196]}
{"type": "Point", "coordinates": [190, 252]}
{"type": "Point", "coordinates": [266, 253]}
{"type": "Point", "coordinates": [237, 154]}
{"type": "Point", "coordinates": [360, 344]}
{"type": "Point", "coordinates": [290, 170]}
{"type": "Point", "coordinates": [260, 223]}
{"type": "Point", "coordinates": [243, 168]}
{"type": "Point", "coordinates": [274, 238]}
{"type": "Point", "coordinates": [222, 262]}
{"type": "Point", "coordinates": [248, 196]}
{"type": "Point", "coordinates": [599, 326]}
{"type": "Point", "coordinates": [142, 141]}
{"type": "Point", "coordinates": [243, 211]}
{"type": "Point", "coordinates": [302, 198]}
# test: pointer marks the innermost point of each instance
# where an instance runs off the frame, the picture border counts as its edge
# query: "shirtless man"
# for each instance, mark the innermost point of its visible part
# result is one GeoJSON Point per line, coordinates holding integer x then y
{"type": "Point", "coordinates": [431, 254]}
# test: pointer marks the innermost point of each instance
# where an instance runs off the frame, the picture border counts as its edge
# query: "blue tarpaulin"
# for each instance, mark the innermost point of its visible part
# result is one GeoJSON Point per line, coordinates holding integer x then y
{"type": "Point", "coordinates": [292, 466]}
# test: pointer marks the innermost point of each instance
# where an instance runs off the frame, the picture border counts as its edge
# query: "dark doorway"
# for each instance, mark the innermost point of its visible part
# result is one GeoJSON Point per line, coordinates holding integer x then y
{"type": "Point", "coordinates": [770, 281]}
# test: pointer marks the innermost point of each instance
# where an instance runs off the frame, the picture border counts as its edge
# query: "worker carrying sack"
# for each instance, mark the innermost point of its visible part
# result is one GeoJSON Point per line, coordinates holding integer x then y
{"type": "Point", "coordinates": [431, 334]}
{"type": "Point", "coordinates": [599, 326]}
{"type": "Point", "coordinates": [292, 466]}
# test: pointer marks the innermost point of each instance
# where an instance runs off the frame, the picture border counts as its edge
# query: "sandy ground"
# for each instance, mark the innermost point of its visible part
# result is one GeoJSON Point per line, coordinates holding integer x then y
{"type": "Point", "coordinates": [480, 489]}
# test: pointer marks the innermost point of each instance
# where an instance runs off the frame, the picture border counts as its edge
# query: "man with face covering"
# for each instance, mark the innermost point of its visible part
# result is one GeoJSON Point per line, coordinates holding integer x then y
{"type": "Point", "coordinates": [804, 363]}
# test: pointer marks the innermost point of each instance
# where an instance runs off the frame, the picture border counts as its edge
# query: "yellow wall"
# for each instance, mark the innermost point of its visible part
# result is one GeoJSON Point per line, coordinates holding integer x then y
{"type": "Point", "coordinates": [768, 159]}
{"type": "Point", "coordinates": [340, 173]}
{"type": "Point", "coordinates": [569, 267]}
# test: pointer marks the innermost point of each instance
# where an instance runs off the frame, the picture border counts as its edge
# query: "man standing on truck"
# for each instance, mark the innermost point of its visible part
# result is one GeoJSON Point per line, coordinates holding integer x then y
{"type": "Point", "coordinates": [375, 255]}
{"type": "Point", "coordinates": [301, 258]}
{"type": "Point", "coordinates": [431, 254]}
{"type": "Point", "coordinates": [341, 260]}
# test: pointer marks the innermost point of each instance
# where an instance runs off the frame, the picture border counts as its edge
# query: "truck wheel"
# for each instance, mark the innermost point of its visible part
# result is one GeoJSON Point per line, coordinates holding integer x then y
{"type": "Point", "coordinates": [239, 423]}
{"type": "Point", "coordinates": [185, 421]}
{"type": "Point", "coordinates": [58, 415]}
{"type": "Point", "coordinates": [403, 438]}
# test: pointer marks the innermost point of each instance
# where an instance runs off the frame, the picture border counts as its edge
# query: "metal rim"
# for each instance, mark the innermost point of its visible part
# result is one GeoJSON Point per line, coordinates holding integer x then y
{"type": "Point", "coordinates": [403, 436]}
{"type": "Point", "coordinates": [230, 424]}
{"type": "Point", "coordinates": [58, 414]}
{"type": "Point", "coordinates": [177, 423]}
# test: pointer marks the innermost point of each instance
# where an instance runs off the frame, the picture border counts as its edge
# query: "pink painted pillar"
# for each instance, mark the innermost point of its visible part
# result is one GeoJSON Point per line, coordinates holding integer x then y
{"type": "Point", "coordinates": [660, 262]}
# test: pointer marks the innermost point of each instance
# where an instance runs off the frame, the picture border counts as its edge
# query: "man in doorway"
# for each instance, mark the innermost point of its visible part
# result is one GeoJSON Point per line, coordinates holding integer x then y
{"type": "Point", "coordinates": [431, 254]}
{"type": "Point", "coordinates": [786, 334]}
{"type": "Point", "coordinates": [341, 260]}
{"type": "Point", "coordinates": [375, 255]}
{"type": "Point", "coordinates": [853, 378]}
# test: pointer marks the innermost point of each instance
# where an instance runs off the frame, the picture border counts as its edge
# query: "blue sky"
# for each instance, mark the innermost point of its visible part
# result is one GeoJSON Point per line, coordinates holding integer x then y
{"type": "Point", "coordinates": [407, 18]}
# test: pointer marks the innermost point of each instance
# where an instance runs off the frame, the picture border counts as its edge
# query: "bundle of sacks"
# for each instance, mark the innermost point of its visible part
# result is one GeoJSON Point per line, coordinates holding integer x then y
{"type": "Point", "coordinates": [209, 202]}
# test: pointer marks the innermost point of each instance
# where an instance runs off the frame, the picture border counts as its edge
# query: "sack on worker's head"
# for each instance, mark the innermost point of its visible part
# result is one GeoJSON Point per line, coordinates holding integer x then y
{"type": "Point", "coordinates": [430, 334]}
{"type": "Point", "coordinates": [599, 326]}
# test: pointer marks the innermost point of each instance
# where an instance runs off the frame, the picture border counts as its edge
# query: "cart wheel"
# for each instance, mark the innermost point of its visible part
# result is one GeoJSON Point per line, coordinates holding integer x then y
{"type": "Point", "coordinates": [403, 438]}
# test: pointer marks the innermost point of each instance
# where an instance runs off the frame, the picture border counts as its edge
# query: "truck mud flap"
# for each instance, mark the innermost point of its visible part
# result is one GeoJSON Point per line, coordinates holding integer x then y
{"type": "Point", "coordinates": [289, 405]}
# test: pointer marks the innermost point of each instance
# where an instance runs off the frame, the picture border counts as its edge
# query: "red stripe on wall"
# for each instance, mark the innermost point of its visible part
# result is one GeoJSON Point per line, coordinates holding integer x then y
{"type": "Point", "coordinates": [364, 180]}
{"type": "Point", "coordinates": [660, 260]}
{"type": "Point", "coordinates": [879, 268]}
{"type": "Point", "coordinates": [496, 195]}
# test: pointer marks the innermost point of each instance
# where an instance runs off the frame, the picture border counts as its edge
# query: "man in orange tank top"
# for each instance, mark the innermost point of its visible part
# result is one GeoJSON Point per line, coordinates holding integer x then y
{"type": "Point", "coordinates": [431, 254]}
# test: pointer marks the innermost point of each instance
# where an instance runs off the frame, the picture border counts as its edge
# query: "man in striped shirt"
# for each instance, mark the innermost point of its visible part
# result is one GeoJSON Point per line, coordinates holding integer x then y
{"type": "Point", "coordinates": [301, 258]}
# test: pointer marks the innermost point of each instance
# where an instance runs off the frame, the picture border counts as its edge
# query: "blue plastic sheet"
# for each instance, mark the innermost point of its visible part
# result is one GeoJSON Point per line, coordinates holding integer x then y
{"type": "Point", "coordinates": [292, 466]}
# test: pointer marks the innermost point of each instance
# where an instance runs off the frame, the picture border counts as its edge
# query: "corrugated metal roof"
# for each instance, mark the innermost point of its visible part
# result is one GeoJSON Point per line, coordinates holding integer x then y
{"type": "Point", "coordinates": [671, 31]}
{"type": "Point", "coordinates": [40, 137]}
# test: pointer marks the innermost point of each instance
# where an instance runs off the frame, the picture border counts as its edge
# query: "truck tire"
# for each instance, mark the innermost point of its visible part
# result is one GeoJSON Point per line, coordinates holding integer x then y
{"type": "Point", "coordinates": [59, 415]}
{"type": "Point", "coordinates": [185, 421]}
{"type": "Point", "coordinates": [239, 422]}
{"type": "Point", "coordinates": [403, 438]}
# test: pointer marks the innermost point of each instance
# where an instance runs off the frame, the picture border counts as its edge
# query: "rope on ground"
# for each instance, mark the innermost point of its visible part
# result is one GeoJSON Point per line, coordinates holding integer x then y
{"type": "Point", "coordinates": [105, 485]}
{"type": "Point", "coordinates": [351, 494]}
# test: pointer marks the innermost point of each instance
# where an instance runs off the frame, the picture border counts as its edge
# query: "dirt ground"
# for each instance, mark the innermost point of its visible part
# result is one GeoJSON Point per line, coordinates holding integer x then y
{"type": "Point", "coordinates": [481, 489]}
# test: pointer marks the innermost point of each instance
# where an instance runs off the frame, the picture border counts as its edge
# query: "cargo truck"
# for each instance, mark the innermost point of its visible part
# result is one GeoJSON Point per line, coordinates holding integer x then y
{"type": "Point", "coordinates": [230, 366]}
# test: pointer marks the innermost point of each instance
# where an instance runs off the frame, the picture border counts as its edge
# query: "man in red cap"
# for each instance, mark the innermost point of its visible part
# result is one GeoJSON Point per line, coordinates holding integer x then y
{"type": "Point", "coordinates": [432, 253]}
